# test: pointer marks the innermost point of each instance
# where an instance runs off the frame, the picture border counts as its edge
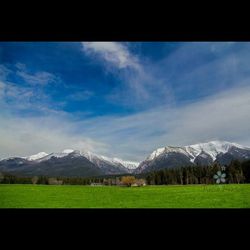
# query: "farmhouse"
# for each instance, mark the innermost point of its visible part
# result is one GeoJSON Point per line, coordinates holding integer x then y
{"type": "Point", "coordinates": [139, 183]}
{"type": "Point", "coordinates": [96, 184]}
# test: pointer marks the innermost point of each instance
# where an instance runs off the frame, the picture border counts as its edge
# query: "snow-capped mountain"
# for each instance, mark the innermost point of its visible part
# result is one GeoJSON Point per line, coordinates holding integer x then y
{"type": "Point", "coordinates": [199, 154]}
{"type": "Point", "coordinates": [42, 156]}
{"type": "Point", "coordinates": [212, 148]}
{"type": "Point", "coordinates": [104, 162]}
{"type": "Point", "coordinates": [92, 157]}
{"type": "Point", "coordinates": [69, 162]}
{"type": "Point", "coordinates": [36, 156]}
{"type": "Point", "coordinates": [127, 164]}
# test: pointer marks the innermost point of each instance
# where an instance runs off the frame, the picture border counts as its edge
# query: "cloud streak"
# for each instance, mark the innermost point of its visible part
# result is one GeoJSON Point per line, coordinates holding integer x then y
{"type": "Point", "coordinates": [139, 87]}
{"type": "Point", "coordinates": [175, 103]}
{"type": "Point", "coordinates": [224, 116]}
{"type": "Point", "coordinates": [29, 96]}
{"type": "Point", "coordinates": [37, 78]}
{"type": "Point", "coordinates": [4, 72]}
{"type": "Point", "coordinates": [113, 53]}
{"type": "Point", "coordinates": [24, 136]}
{"type": "Point", "coordinates": [82, 95]}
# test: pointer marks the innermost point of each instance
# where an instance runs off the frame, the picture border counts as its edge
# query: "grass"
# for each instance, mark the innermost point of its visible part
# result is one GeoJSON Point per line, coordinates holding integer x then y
{"type": "Point", "coordinates": [191, 196]}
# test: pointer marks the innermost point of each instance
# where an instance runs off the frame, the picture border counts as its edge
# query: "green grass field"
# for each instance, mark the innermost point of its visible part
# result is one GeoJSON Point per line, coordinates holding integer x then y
{"type": "Point", "coordinates": [193, 196]}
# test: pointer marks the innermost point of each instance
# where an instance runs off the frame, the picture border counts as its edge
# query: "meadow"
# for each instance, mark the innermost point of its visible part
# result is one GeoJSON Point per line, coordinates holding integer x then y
{"type": "Point", "coordinates": [62, 196]}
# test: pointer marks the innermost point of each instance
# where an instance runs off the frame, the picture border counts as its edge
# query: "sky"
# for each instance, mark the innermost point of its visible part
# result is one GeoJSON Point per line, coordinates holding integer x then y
{"type": "Point", "coordinates": [122, 99]}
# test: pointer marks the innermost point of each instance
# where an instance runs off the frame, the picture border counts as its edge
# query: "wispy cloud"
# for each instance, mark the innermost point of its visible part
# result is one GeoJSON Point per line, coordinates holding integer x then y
{"type": "Point", "coordinates": [11, 93]}
{"type": "Point", "coordinates": [80, 95]}
{"type": "Point", "coordinates": [197, 93]}
{"type": "Point", "coordinates": [224, 116]}
{"type": "Point", "coordinates": [139, 86]}
{"type": "Point", "coordinates": [40, 78]}
{"type": "Point", "coordinates": [31, 122]}
{"type": "Point", "coordinates": [30, 96]}
{"type": "Point", "coordinates": [37, 78]}
{"type": "Point", "coordinates": [4, 72]}
{"type": "Point", "coordinates": [22, 136]}
{"type": "Point", "coordinates": [114, 53]}
{"type": "Point", "coordinates": [201, 69]}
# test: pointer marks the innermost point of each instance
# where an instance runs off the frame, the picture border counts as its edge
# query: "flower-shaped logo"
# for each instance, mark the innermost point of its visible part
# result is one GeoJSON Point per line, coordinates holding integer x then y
{"type": "Point", "coordinates": [220, 177]}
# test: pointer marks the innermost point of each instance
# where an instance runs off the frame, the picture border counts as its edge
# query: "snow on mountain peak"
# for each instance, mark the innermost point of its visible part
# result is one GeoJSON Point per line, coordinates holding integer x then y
{"type": "Point", "coordinates": [168, 149]}
{"type": "Point", "coordinates": [67, 151]}
{"type": "Point", "coordinates": [42, 156]}
{"type": "Point", "coordinates": [89, 155]}
{"type": "Point", "coordinates": [114, 161]}
{"type": "Point", "coordinates": [56, 155]}
{"type": "Point", "coordinates": [127, 164]}
{"type": "Point", "coordinates": [36, 156]}
{"type": "Point", "coordinates": [212, 148]}
{"type": "Point", "coordinates": [156, 153]}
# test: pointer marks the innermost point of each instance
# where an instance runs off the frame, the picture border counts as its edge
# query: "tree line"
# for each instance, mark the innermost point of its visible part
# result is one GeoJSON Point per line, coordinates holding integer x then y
{"type": "Point", "coordinates": [6, 178]}
{"type": "Point", "coordinates": [236, 172]}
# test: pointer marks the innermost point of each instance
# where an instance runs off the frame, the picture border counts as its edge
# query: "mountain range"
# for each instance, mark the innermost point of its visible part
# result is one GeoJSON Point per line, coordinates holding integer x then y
{"type": "Point", "coordinates": [67, 163]}
{"type": "Point", "coordinates": [201, 154]}
{"type": "Point", "coordinates": [84, 163]}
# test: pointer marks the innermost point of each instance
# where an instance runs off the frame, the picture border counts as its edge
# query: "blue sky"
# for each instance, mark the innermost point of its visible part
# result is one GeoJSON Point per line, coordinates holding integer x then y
{"type": "Point", "coordinates": [122, 99]}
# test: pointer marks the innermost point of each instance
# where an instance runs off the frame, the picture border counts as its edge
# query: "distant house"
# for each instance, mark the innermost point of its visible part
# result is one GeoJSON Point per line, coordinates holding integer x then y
{"type": "Point", "coordinates": [54, 181]}
{"type": "Point", "coordinates": [134, 185]}
{"type": "Point", "coordinates": [96, 184]}
{"type": "Point", "coordinates": [139, 183]}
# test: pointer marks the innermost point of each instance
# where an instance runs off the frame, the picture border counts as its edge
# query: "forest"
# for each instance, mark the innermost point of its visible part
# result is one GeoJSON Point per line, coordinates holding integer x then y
{"type": "Point", "coordinates": [236, 172]}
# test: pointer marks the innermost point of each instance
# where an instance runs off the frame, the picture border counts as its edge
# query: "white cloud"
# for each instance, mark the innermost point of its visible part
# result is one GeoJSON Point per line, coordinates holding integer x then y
{"type": "Point", "coordinates": [11, 93]}
{"type": "Point", "coordinates": [224, 116]}
{"type": "Point", "coordinates": [25, 136]}
{"type": "Point", "coordinates": [16, 98]}
{"type": "Point", "coordinates": [4, 72]}
{"type": "Point", "coordinates": [39, 78]}
{"type": "Point", "coordinates": [141, 90]}
{"type": "Point", "coordinates": [113, 53]}
{"type": "Point", "coordinates": [29, 96]}
{"type": "Point", "coordinates": [81, 95]}
{"type": "Point", "coordinates": [30, 122]}
{"type": "Point", "coordinates": [139, 86]}
{"type": "Point", "coordinates": [36, 78]}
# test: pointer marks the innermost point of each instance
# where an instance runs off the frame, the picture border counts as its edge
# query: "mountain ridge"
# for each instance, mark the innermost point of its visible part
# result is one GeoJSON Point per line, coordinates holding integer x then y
{"type": "Point", "coordinates": [85, 163]}
{"type": "Point", "coordinates": [198, 154]}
